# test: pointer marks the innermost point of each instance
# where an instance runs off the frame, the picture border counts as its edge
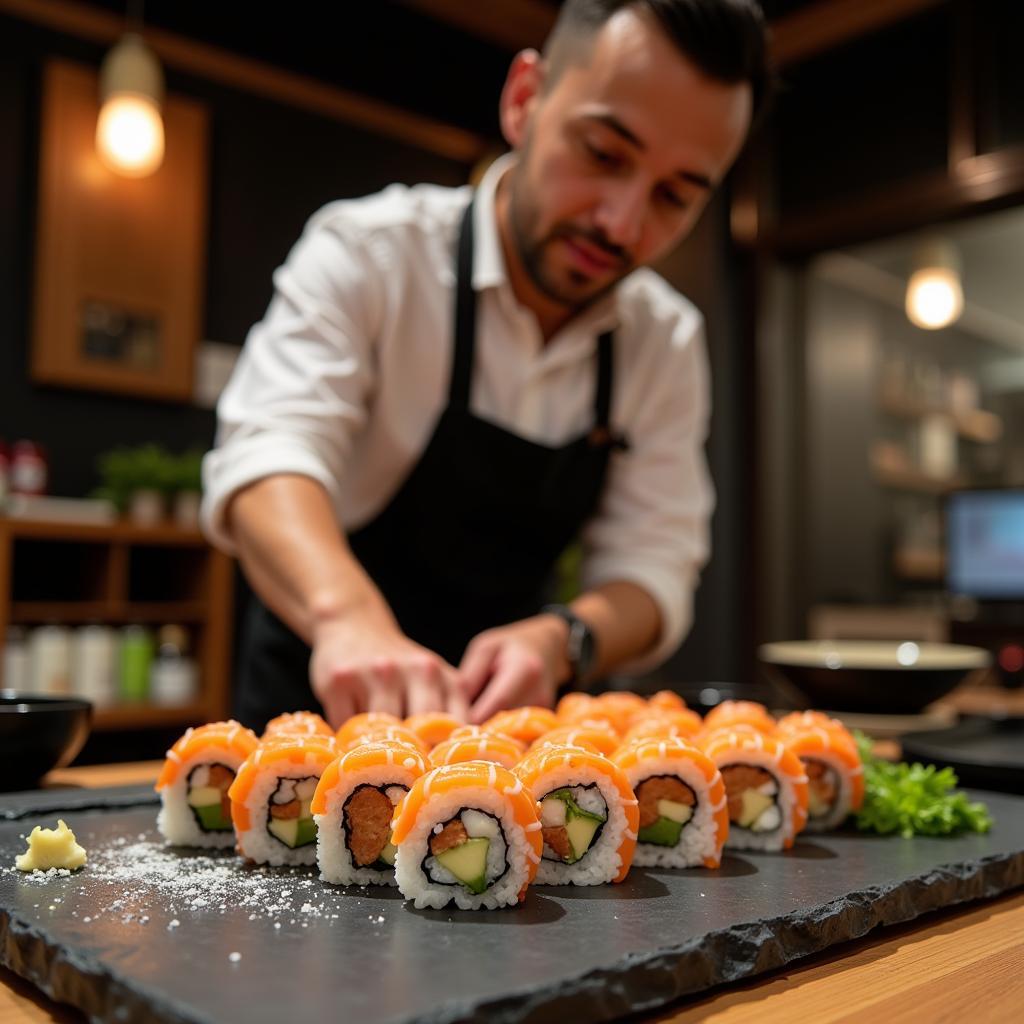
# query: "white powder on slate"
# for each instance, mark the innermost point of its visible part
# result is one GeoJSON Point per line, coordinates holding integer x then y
{"type": "Point", "coordinates": [147, 878]}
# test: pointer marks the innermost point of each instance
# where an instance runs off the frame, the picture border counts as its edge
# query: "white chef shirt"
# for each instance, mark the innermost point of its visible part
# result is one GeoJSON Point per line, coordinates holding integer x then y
{"type": "Point", "coordinates": [346, 375]}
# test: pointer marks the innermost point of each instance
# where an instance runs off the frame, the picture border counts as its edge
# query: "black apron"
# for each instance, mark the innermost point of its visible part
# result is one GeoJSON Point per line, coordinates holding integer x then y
{"type": "Point", "coordinates": [469, 540]}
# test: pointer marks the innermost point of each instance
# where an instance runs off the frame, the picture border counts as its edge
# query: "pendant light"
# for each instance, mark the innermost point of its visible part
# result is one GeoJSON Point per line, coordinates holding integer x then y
{"type": "Point", "coordinates": [130, 130]}
{"type": "Point", "coordinates": [935, 295]}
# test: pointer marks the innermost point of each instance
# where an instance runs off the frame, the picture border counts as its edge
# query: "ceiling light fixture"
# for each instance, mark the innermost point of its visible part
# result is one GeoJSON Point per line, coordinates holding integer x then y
{"type": "Point", "coordinates": [935, 295]}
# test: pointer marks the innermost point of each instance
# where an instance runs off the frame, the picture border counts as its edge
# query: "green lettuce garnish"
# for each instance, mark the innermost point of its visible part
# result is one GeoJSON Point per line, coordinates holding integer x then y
{"type": "Point", "coordinates": [914, 799]}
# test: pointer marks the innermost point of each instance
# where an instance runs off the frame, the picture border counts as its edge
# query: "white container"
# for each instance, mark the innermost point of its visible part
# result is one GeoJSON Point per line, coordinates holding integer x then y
{"type": "Point", "coordinates": [173, 681]}
{"type": "Point", "coordinates": [50, 660]}
{"type": "Point", "coordinates": [186, 509]}
{"type": "Point", "coordinates": [94, 664]}
{"type": "Point", "coordinates": [16, 671]}
{"type": "Point", "coordinates": [146, 508]}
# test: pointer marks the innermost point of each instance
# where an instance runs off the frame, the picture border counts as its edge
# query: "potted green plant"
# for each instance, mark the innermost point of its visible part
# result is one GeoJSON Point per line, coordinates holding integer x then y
{"type": "Point", "coordinates": [188, 487]}
{"type": "Point", "coordinates": [138, 481]}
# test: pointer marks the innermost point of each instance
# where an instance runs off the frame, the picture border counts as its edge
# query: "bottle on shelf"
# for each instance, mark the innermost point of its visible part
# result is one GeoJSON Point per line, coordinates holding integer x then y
{"type": "Point", "coordinates": [50, 660]}
{"type": "Point", "coordinates": [174, 681]}
{"type": "Point", "coordinates": [94, 664]}
{"type": "Point", "coordinates": [17, 666]}
{"type": "Point", "coordinates": [135, 662]}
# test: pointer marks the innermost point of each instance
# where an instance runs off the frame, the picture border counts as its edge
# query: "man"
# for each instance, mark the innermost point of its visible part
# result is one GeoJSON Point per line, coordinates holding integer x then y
{"type": "Point", "coordinates": [449, 387]}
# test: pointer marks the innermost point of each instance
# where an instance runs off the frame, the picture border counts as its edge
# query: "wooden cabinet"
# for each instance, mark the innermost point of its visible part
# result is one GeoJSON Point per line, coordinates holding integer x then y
{"type": "Point", "coordinates": [119, 575]}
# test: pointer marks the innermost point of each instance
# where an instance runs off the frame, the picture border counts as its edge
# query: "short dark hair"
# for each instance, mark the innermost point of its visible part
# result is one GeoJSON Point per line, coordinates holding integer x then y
{"type": "Point", "coordinates": [726, 39]}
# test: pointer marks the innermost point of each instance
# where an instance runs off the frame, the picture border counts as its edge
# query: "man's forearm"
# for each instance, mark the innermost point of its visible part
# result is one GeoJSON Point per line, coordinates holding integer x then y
{"type": "Point", "coordinates": [295, 555]}
{"type": "Point", "coordinates": [625, 620]}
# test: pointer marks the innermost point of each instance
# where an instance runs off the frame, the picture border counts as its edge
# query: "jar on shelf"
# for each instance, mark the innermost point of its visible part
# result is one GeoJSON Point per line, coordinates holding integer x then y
{"type": "Point", "coordinates": [94, 664]}
{"type": "Point", "coordinates": [174, 680]}
{"type": "Point", "coordinates": [50, 660]}
{"type": "Point", "coordinates": [17, 665]}
{"type": "Point", "coordinates": [29, 471]}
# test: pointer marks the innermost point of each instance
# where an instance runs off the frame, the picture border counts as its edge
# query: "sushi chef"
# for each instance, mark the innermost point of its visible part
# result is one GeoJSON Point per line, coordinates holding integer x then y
{"type": "Point", "coordinates": [450, 386]}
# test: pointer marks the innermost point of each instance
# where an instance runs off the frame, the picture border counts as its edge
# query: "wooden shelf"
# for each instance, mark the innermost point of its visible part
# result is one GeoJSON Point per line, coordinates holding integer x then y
{"type": "Point", "coordinates": [972, 424]}
{"type": "Point", "coordinates": [146, 716]}
{"type": "Point", "coordinates": [118, 574]}
{"type": "Point", "coordinates": [29, 613]}
{"type": "Point", "coordinates": [163, 535]}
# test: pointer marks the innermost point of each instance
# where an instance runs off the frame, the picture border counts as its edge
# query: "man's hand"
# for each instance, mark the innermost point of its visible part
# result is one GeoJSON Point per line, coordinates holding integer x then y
{"type": "Point", "coordinates": [521, 663]}
{"type": "Point", "coordinates": [363, 665]}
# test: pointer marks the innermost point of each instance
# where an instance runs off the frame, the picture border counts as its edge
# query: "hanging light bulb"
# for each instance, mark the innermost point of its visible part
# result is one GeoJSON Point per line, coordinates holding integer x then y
{"type": "Point", "coordinates": [935, 296]}
{"type": "Point", "coordinates": [130, 130]}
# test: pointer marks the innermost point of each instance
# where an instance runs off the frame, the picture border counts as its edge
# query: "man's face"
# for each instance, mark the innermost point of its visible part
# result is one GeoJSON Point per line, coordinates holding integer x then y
{"type": "Point", "coordinates": [617, 159]}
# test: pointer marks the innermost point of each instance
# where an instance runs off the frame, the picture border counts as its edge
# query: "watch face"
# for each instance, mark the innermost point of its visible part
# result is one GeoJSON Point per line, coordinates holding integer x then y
{"type": "Point", "coordinates": [581, 648]}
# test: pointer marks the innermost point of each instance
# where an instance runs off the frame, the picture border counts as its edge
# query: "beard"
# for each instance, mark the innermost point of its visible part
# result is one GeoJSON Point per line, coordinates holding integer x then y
{"type": "Point", "coordinates": [565, 286]}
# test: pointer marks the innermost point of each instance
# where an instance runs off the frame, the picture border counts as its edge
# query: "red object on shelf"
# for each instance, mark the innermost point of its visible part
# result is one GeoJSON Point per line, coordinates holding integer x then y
{"type": "Point", "coordinates": [29, 469]}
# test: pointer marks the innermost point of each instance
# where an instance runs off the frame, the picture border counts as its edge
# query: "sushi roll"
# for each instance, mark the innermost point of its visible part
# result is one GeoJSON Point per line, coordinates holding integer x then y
{"type": "Point", "coordinates": [598, 736]}
{"type": "Point", "coordinates": [739, 712]}
{"type": "Point", "coordinates": [835, 775]}
{"type": "Point", "coordinates": [485, 747]}
{"type": "Point", "coordinates": [432, 728]}
{"type": "Point", "coordinates": [766, 787]}
{"type": "Point", "coordinates": [683, 816]}
{"type": "Point", "coordinates": [523, 724]}
{"type": "Point", "coordinates": [297, 723]}
{"type": "Point", "coordinates": [469, 732]}
{"type": "Point", "coordinates": [353, 807]}
{"type": "Point", "coordinates": [666, 700]}
{"type": "Point", "coordinates": [682, 724]}
{"type": "Point", "coordinates": [271, 799]}
{"type": "Point", "coordinates": [588, 814]}
{"type": "Point", "coordinates": [572, 706]}
{"type": "Point", "coordinates": [386, 731]}
{"type": "Point", "coordinates": [467, 833]}
{"type": "Point", "coordinates": [362, 725]}
{"type": "Point", "coordinates": [193, 785]}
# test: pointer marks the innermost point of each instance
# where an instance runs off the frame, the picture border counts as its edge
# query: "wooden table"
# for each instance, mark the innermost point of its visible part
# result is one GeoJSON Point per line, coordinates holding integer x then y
{"type": "Point", "coordinates": [958, 965]}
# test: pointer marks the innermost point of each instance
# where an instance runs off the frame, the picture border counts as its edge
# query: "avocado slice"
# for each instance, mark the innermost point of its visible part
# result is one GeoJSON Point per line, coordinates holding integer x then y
{"type": "Point", "coordinates": [285, 829]}
{"type": "Point", "coordinates": [306, 832]}
{"type": "Point", "coordinates": [468, 863]}
{"type": "Point", "coordinates": [581, 829]}
{"type": "Point", "coordinates": [675, 812]}
{"type": "Point", "coordinates": [203, 796]}
{"type": "Point", "coordinates": [293, 832]}
{"type": "Point", "coordinates": [663, 832]}
{"type": "Point", "coordinates": [212, 818]}
{"type": "Point", "coordinates": [754, 805]}
{"type": "Point", "coordinates": [387, 855]}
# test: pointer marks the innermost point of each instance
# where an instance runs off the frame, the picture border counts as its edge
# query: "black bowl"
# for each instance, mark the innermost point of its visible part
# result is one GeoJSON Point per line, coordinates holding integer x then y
{"type": "Point", "coordinates": [38, 734]}
{"type": "Point", "coordinates": [870, 675]}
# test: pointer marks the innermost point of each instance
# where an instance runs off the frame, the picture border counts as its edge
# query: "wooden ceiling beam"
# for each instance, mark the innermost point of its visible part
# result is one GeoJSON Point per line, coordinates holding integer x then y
{"type": "Point", "coordinates": [826, 24]}
{"type": "Point", "coordinates": [257, 78]}
{"type": "Point", "coordinates": [512, 24]}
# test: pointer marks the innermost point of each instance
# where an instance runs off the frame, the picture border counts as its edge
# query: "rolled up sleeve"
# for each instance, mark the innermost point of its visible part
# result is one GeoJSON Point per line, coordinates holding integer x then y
{"type": "Point", "coordinates": [299, 390]}
{"type": "Point", "coordinates": [652, 528]}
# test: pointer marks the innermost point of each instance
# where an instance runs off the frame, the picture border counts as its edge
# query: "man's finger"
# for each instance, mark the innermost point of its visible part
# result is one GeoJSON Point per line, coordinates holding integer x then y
{"type": "Point", "coordinates": [456, 702]}
{"type": "Point", "coordinates": [383, 689]}
{"type": "Point", "coordinates": [502, 690]}
{"type": "Point", "coordinates": [478, 664]}
{"type": "Point", "coordinates": [339, 707]}
{"type": "Point", "coordinates": [424, 695]}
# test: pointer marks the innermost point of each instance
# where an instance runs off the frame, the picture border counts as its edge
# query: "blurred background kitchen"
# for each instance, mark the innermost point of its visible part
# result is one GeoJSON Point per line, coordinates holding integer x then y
{"type": "Point", "coordinates": [861, 276]}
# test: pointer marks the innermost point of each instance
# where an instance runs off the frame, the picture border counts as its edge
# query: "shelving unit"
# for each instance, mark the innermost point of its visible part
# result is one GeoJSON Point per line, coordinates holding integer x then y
{"type": "Point", "coordinates": [74, 574]}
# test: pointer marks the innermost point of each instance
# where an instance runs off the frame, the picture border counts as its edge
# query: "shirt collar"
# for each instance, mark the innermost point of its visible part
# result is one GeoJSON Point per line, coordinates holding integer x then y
{"type": "Point", "coordinates": [489, 270]}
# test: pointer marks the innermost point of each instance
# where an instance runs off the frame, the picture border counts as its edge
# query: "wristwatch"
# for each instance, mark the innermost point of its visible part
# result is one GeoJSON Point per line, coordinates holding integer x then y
{"type": "Point", "coordinates": [581, 647]}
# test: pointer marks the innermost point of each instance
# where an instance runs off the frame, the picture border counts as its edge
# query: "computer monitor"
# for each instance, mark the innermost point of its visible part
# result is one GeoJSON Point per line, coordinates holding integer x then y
{"type": "Point", "coordinates": [985, 544]}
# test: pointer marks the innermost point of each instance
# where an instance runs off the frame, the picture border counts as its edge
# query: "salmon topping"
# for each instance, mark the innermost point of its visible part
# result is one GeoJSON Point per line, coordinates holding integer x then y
{"type": "Point", "coordinates": [292, 809]}
{"type": "Point", "coordinates": [661, 787]}
{"type": "Point", "coordinates": [557, 837]}
{"type": "Point", "coordinates": [738, 778]}
{"type": "Point", "coordinates": [453, 834]}
{"type": "Point", "coordinates": [368, 822]}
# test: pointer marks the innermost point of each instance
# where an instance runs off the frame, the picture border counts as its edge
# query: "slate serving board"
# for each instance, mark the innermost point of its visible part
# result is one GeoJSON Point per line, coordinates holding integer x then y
{"type": "Point", "coordinates": [145, 934]}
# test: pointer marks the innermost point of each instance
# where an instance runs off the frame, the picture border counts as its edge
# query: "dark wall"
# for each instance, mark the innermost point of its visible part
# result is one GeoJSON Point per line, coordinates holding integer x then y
{"type": "Point", "coordinates": [271, 166]}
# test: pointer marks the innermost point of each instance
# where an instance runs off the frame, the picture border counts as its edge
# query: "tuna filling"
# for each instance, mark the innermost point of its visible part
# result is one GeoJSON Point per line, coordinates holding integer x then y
{"type": "Point", "coordinates": [368, 813]}
{"type": "Point", "coordinates": [467, 850]}
{"type": "Point", "coordinates": [208, 786]}
{"type": "Point", "coordinates": [752, 793]}
{"type": "Point", "coordinates": [571, 821]}
{"type": "Point", "coordinates": [289, 819]}
{"type": "Point", "coordinates": [666, 805]}
{"type": "Point", "coordinates": [822, 788]}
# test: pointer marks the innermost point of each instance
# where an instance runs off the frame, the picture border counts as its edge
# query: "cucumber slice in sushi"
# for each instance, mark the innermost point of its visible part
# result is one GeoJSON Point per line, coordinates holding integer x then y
{"type": "Point", "coordinates": [212, 818]}
{"type": "Point", "coordinates": [663, 832]}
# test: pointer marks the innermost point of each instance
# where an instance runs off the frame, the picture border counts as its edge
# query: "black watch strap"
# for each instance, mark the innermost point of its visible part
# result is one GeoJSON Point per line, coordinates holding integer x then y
{"type": "Point", "coordinates": [580, 649]}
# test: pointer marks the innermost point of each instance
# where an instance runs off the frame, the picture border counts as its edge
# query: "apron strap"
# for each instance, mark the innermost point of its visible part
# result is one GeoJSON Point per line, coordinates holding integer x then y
{"type": "Point", "coordinates": [465, 335]}
{"type": "Point", "coordinates": [465, 316]}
